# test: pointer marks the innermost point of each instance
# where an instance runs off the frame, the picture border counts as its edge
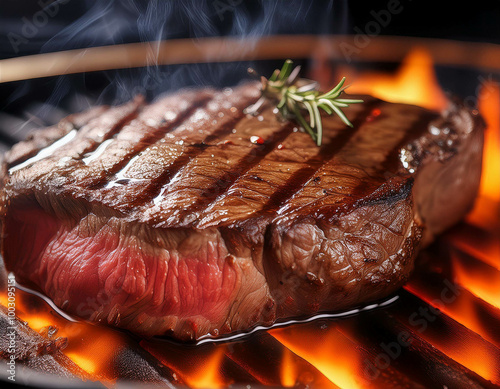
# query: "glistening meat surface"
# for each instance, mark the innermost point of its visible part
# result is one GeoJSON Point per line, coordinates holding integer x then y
{"type": "Point", "coordinates": [166, 218]}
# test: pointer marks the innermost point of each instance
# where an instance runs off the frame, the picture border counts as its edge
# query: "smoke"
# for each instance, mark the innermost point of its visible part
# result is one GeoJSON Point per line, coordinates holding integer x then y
{"type": "Point", "coordinates": [83, 24]}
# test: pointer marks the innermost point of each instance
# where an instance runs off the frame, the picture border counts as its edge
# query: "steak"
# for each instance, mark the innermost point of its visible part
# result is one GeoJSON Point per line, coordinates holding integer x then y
{"type": "Point", "coordinates": [189, 218]}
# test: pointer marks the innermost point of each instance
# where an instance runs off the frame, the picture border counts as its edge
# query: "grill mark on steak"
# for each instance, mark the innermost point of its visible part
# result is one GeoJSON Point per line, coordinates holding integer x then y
{"type": "Point", "coordinates": [252, 190]}
{"type": "Point", "coordinates": [192, 151]}
{"type": "Point", "coordinates": [392, 163]}
{"type": "Point", "coordinates": [90, 136]}
{"type": "Point", "coordinates": [140, 173]}
{"type": "Point", "coordinates": [152, 123]}
{"type": "Point", "coordinates": [157, 165]}
{"type": "Point", "coordinates": [206, 176]}
{"type": "Point", "coordinates": [69, 156]}
{"type": "Point", "coordinates": [359, 167]}
{"type": "Point", "coordinates": [41, 139]}
{"type": "Point", "coordinates": [300, 177]}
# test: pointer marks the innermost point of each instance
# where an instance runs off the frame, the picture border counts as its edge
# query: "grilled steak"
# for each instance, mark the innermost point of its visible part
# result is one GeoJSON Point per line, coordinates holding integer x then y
{"type": "Point", "coordinates": [190, 218]}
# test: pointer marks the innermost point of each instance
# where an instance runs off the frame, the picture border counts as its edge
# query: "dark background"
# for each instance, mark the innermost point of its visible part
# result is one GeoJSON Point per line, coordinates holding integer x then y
{"type": "Point", "coordinates": [78, 23]}
{"type": "Point", "coordinates": [70, 24]}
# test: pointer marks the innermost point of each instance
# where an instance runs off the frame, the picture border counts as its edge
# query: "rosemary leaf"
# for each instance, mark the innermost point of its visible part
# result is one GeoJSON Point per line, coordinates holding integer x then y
{"type": "Point", "coordinates": [292, 99]}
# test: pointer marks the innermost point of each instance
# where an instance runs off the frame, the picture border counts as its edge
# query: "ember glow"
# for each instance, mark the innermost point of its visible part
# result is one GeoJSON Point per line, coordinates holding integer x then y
{"type": "Point", "coordinates": [479, 243]}
{"type": "Point", "coordinates": [331, 353]}
{"type": "Point", "coordinates": [481, 279]}
{"type": "Point", "coordinates": [335, 356]}
{"type": "Point", "coordinates": [288, 370]}
{"type": "Point", "coordinates": [489, 103]}
{"type": "Point", "coordinates": [464, 308]}
{"type": "Point", "coordinates": [90, 347]}
{"type": "Point", "coordinates": [486, 212]}
{"type": "Point", "coordinates": [207, 374]}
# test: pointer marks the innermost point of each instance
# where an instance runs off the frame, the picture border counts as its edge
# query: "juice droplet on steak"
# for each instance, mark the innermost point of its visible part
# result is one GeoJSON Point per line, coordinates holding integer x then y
{"type": "Point", "coordinates": [256, 140]}
{"type": "Point", "coordinates": [373, 115]}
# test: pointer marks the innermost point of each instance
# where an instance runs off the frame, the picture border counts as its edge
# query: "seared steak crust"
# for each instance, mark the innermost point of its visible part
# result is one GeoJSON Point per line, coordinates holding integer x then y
{"type": "Point", "coordinates": [188, 217]}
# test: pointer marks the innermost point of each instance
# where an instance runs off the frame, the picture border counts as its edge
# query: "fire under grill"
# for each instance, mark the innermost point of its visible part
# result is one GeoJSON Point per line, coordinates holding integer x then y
{"type": "Point", "coordinates": [442, 330]}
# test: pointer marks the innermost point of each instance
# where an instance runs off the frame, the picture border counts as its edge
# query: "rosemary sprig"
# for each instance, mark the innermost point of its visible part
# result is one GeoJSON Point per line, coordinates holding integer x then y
{"type": "Point", "coordinates": [296, 96]}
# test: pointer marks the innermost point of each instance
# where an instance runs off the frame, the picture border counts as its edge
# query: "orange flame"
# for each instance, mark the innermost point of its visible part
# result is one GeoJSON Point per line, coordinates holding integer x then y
{"type": "Point", "coordinates": [89, 365]}
{"type": "Point", "coordinates": [476, 358]}
{"type": "Point", "coordinates": [288, 370]}
{"type": "Point", "coordinates": [485, 248]}
{"type": "Point", "coordinates": [462, 310]}
{"type": "Point", "coordinates": [94, 356]}
{"type": "Point", "coordinates": [487, 208]}
{"type": "Point", "coordinates": [208, 374]}
{"type": "Point", "coordinates": [333, 354]}
{"type": "Point", "coordinates": [37, 322]}
{"type": "Point", "coordinates": [489, 104]}
{"type": "Point", "coordinates": [414, 83]}
{"type": "Point", "coordinates": [472, 352]}
{"type": "Point", "coordinates": [482, 281]}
